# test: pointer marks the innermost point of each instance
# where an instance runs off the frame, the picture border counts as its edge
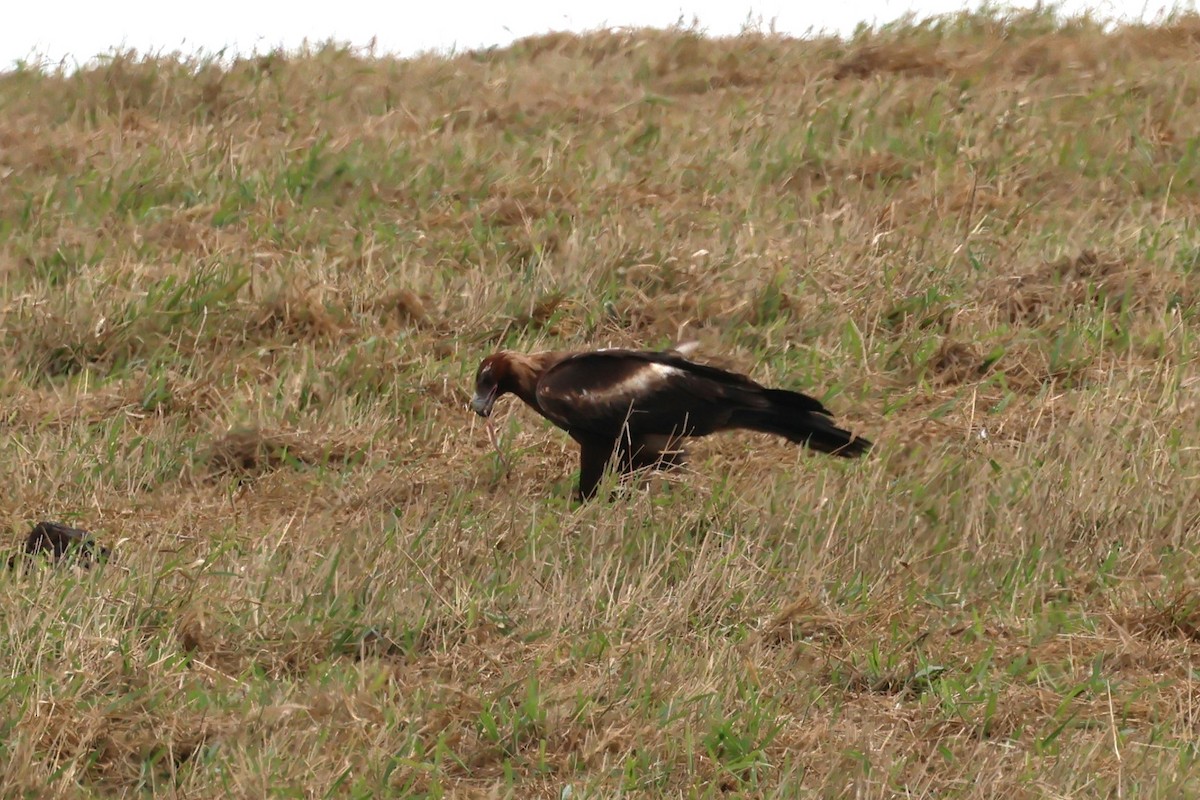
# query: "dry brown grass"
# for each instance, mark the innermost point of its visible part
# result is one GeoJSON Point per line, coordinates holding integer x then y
{"type": "Point", "coordinates": [241, 308]}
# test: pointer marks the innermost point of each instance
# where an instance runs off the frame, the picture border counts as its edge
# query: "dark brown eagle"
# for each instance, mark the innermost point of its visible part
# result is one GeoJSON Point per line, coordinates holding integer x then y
{"type": "Point", "coordinates": [640, 405]}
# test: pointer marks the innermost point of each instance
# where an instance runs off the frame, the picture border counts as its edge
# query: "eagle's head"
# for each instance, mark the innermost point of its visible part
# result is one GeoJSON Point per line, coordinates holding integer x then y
{"type": "Point", "coordinates": [491, 381]}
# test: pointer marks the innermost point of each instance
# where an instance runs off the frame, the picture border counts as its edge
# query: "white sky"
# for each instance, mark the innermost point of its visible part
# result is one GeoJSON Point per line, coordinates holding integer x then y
{"type": "Point", "coordinates": [77, 30]}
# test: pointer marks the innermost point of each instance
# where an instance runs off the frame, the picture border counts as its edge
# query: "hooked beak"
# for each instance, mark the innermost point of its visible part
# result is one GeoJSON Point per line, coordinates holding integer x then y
{"type": "Point", "coordinates": [482, 404]}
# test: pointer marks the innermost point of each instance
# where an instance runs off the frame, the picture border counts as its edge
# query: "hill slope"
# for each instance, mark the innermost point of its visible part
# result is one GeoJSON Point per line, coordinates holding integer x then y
{"type": "Point", "coordinates": [242, 307]}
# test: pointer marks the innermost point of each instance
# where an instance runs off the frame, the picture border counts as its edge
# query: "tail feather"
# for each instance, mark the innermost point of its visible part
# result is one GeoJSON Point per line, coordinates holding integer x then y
{"type": "Point", "coordinates": [803, 420]}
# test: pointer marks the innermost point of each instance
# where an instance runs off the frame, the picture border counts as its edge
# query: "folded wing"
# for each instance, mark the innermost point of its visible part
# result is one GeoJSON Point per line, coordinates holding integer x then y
{"type": "Point", "coordinates": [639, 395]}
{"type": "Point", "coordinates": [607, 392]}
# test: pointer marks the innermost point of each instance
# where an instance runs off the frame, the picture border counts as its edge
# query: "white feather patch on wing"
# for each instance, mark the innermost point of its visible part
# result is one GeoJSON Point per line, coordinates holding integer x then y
{"type": "Point", "coordinates": [646, 377]}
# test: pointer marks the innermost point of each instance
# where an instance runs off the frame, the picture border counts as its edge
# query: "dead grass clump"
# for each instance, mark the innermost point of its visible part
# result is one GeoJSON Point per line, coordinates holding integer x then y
{"type": "Point", "coordinates": [663, 298]}
{"type": "Point", "coordinates": [1173, 617]}
{"type": "Point", "coordinates": [400, 307]}
{"type": "Point", "coordinates": [27, 146]}
{"type": "Point", "coordinates": [1029, 367]}
{"type": "Point", "coordinates": [1159, 41]}
{"type": "Point", "coordinates": [70, 359]}
{"type": "Point", "coordinates": [907, 679]}
{"type": "Point", "coordinates": [191, 232]}
{"type": "Point", "coordinates": [210, 653]}
{"type": "Point", "coordinates": [879, 169]}
{"type": "Point", "coordinates": [927, 310]}
{"type": "Point", "coordinates": [642, 321]}
{"type": "Point", "coordinates": [169, 393]}
{"type": "Point", "coordinates": [1053, 53]}
{"type": "Point", "coordinates": [250, 452]}
{"type": "Point", "coordinates": [554, 313]}
{"type": "Point", "coordinates": [57, 346]}
{"type": "Point", "coordinates": [690, 65]}
{"type": "Point", "coordinates": [192, 631]}
{"type": "Point", "coordinates": [890, 59]}
{"type": "Point", "coordinates": [51, 408]}
{"type": "Point", "coordinates": [509, 211]}
{"type": "Point", "coordinates": [1019, 711]}
{"type": "Point", "coordinates": [126, 82]}
{"type": "Point", "coordinates": [299, 315]}
{"type": "Point", "coordinates": [373, 643]}
{"type": "Point", "coordinates": [870, 171]}
{"type": "Point", "coordinates": [805, 619]}
{"type": "Point", "coordinates": [529, 235]}
{"type": "Point", "coordinates": [956, 362]}
{"type": "Point", "coordinates": [448, 396]}
{"type": "Point", "coordinates": [1088, 279]}
{"type": "Point", "coordinates": [57, 258]}
{"type": "Point", "coordinates": [593, 48]}
{"type": "Point", "coordinates": [127, 742]}
{"type": "Point", "coordinates": [291, 656]}
{"type": "Point", "coordinates": [291, 653]}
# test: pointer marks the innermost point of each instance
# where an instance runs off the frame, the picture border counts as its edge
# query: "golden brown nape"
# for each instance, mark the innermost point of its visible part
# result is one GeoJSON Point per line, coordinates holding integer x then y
{"type": "Point", "coordinates": [506, 371]}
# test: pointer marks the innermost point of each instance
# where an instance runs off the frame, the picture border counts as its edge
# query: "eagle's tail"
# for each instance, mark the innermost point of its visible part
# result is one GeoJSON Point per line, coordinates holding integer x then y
{"type": "Point", "coordinates": [801, 419]}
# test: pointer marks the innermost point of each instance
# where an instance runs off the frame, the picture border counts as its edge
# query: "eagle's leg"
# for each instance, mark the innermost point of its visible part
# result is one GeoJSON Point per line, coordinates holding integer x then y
{"type": "Point", "coordinates": [594, 454]}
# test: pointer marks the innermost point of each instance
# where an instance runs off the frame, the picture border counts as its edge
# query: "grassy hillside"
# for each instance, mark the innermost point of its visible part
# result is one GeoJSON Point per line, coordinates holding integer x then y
{"type": "Point", "coordinates": [241, 311]}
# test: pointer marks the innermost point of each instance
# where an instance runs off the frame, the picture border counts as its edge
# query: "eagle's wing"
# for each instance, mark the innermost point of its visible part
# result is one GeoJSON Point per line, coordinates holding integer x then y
{"type": "Point", "coordinates": [606, 392]}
